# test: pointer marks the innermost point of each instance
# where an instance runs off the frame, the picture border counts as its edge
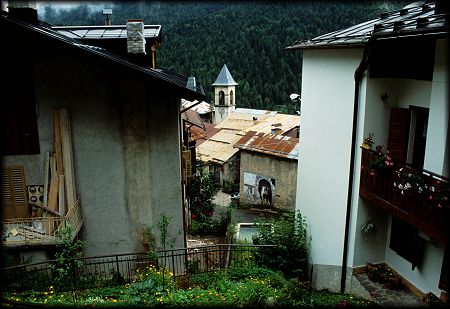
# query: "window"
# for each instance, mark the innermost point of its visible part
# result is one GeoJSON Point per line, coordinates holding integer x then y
{"type": "Point", "coordinates": [406, 242]}
{"type": "Point", "coordinates": [221, 98]}
{"type": "Point", "coordinates": [231, 97]}
{"type": "Point", "coordinates": [18, 130]}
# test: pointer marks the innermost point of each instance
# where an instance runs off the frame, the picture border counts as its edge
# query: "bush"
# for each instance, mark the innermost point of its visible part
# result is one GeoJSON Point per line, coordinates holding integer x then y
{"type": "Point", "coordinates": [290, 236]}
{"type": "Point", "coordinates": [209, 226]}
{"type": "Point", "coordinates": [230, 188]}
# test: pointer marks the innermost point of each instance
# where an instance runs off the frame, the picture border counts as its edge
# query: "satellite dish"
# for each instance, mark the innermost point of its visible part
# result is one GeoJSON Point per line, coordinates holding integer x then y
{"type": "Point", "coordinates": [295, 97]}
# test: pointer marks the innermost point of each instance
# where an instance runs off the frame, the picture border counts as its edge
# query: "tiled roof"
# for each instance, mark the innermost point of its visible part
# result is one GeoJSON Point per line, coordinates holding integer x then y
{"type": "Point", "coordinates": [267, 143]}
{"type": "Point", "coordinates": [418, 18]}
{"type": "Point", "coordinates": [224, 78]}
{"type": "Point", "coordinates": [176, 81]}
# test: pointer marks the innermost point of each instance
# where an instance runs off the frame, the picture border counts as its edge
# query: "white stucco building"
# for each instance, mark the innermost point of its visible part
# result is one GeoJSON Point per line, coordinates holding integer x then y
{"type": "Point", "coordinates": [389, 77]}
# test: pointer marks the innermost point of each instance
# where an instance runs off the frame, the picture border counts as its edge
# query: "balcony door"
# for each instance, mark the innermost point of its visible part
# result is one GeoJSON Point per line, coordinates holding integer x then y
{"type": "Point", "coordinates": [407, 135]}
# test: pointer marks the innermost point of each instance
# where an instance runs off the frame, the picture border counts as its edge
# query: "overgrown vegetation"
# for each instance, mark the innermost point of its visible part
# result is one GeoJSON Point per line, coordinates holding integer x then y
{"type": "Point", "coordinates": [67, 257]}
{"type": "Point", "coordinates": [200, 191]}
{"type": "Point", "coordinates": [237, 287]}
{"type": "Point", "coordinates": [290, 236]}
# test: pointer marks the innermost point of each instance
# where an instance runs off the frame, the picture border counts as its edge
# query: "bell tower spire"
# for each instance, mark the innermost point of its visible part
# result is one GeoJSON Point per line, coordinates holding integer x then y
{"type": "Point", "coordinates": [224, 95]}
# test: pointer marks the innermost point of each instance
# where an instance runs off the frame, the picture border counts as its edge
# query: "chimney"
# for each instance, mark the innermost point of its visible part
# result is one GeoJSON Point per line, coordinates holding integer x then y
{"type": "Point", "coordinates": [135, 36]}
{"type": "Point", "coordinates": [107, 13]}
{"type": "Point", "coordinates": [23, 10]}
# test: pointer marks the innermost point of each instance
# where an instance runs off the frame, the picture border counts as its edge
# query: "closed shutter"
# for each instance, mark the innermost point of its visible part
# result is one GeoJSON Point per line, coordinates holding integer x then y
{"type": "Point", "coordinates": [187, 165]}
{"type": "Point", "coordinates": [399, 133]}
{"type": "Point", "coordinates": [14, 192]}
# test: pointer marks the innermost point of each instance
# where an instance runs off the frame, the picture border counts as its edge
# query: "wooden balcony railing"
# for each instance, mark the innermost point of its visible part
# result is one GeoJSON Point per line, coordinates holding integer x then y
{"type": "Point", "coordinates": [426, 208]}
{"type": "Point", "coordinates": [40, 231]}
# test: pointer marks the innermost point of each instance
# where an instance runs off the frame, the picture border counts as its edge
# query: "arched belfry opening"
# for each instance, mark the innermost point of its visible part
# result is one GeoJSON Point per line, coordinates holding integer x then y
{"type": "Point", "coordinates": [224, 95]}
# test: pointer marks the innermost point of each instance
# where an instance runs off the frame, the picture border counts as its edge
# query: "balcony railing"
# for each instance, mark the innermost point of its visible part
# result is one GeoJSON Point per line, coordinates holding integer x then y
{"type": "Point", "coordinates": [424, 203]}
{"type": "Point", "coordinates": [39, 231]}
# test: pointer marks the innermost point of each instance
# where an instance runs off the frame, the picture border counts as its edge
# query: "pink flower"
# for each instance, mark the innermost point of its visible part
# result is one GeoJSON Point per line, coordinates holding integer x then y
{"type": "Point", "coordinates": [430, 197]}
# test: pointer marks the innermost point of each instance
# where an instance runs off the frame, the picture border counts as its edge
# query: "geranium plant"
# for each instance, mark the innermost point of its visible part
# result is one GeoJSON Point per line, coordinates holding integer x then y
{"type": "Point", "coordinates": [384, 160]}
{"type": "Point", "coordinates": [413, 183]}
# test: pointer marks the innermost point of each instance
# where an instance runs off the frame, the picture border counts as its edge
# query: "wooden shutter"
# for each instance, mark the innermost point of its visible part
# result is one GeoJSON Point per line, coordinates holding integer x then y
{"type": "Point", "coordinates": [14, 192]}
{"type": "Point", "coordinates": [399, 133]}
{"type": "Point", "coordinates": [187, 165]}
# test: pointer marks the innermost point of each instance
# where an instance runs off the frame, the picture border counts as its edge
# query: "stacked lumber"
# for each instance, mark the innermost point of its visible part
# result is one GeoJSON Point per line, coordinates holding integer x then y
{"type": "Point", "coordinates": [59, 177]}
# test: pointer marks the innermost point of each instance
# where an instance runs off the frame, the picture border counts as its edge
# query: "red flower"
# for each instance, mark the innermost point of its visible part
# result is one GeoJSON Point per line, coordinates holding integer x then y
{"type": "Point", "coordinates": [194, 216]}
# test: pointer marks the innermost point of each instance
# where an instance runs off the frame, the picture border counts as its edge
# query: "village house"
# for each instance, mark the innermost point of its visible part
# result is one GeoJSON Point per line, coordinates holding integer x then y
{"type": "Point", "coordinates": [381, 83]}
{"type": "Point", "coordinates": [218, 153]}
{"type": "Point", "coordinates": [268, 170]}
{"type": "Point", "coordinates": [91, 136]}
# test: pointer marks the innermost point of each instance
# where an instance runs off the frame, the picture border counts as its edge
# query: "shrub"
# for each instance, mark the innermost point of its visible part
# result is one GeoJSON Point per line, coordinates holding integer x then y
{"type": "Point", "coordinates": [290, 236]}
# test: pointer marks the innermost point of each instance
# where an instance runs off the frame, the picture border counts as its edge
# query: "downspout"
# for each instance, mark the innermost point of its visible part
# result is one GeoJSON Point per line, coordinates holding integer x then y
{"type": "Point", "coordinates": [358, 76]}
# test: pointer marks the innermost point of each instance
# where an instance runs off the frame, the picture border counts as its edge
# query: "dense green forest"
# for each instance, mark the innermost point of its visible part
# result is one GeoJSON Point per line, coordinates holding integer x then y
{"type": "Point", "coordinates": [249, 37]}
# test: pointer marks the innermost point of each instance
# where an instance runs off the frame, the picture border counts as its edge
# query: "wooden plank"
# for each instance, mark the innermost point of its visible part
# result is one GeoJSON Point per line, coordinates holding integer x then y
{"type": "Point", "coordinates": [58, 145]}
{"type": "Point", "coordinates": [53, 192]}
{"type": "Point", "coordinates": [46, 177]}
{"type": "Point", "coordinates": [61, 196]}
{"type": "Point", "coordinates": [66, 139]}
{"type": "Point", "coordinates": [48, 210]}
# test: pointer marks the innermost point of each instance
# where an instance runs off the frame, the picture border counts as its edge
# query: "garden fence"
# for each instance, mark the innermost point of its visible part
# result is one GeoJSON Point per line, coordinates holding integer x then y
{"type": "Point", "coordinates": [102, 271]}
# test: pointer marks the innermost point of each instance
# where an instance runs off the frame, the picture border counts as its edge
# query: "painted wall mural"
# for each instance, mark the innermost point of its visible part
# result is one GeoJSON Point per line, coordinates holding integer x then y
{"type": "Point", "coordinates": [259, 189]}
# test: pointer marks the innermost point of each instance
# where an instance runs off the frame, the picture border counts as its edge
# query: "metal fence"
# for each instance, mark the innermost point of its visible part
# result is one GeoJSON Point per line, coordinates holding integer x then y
{"type": "Point", "coordinates": [102, 271]}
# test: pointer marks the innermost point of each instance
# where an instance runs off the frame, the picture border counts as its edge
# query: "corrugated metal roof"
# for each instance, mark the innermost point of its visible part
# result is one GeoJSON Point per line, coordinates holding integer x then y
{"type": "Point", "coordinates": [176, 81]}
{"type": "Point", "coordinates": [220, 147]}
{"type": "Point", "coordinates": [104, 32]}
{"type": "Point", "coordinates": [193, 118]}
{"type": "Point", "coordinates": [275, 145]}
{"type": "Point", "coordinates": [201, 108]}
{"type": "Point", "coordinates": [224, 78]}
{"type": "Point", "coordinates": [415, 19]}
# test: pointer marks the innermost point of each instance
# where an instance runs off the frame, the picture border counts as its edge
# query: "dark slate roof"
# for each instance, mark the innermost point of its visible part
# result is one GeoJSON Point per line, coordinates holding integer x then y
{"type": "Point", "coordinates": [417, 18]}
{"type": "Point", "coordinates": [104, 32]}
{"type": "Point", "coordinates": [175, 81]}
{"type": "Point", "coordinates": [224, 78]}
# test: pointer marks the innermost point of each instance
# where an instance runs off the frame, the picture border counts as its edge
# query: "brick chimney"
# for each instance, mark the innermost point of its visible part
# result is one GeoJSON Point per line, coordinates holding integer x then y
{"type": "Point", "coordinates": [23, 10]}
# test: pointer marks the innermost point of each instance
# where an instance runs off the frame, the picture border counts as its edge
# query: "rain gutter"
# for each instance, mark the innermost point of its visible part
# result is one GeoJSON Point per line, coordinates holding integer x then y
{"type": "Point", "coordinates": [358, 76]}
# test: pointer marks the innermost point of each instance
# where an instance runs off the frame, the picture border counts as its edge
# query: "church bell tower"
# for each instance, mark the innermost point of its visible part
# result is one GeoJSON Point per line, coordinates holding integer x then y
{"type": "Point", "coordinates": [224, 95]}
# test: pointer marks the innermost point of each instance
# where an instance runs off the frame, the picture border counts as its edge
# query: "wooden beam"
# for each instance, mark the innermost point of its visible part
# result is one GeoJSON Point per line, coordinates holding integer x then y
{"type": "Point", "coordinates": [61, 196]}
{"type": "Point", "coordinates": [49, 210]}
{"type": "Point", "coordinates": [53, 192]}
{"type": "Point", "coordinates": [46, 177]}
{"type": "Point", "coordinates": [66, 140]}
{"type": "Point", "coordinates": [58, 145]}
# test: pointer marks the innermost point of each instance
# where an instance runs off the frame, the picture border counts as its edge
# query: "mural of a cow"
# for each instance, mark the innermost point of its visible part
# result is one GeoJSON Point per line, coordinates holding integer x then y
{"type": "Point", "coordinates": [265, 192]}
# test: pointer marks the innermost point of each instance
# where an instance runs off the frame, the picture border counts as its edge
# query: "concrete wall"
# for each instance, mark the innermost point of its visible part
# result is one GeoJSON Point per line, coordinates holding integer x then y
{"type": "Point", "coordinates": [125, 146]}
{"type": "Point", "coordinates": [323, 164]}
{"type": "Point", "coordinates": [284, 171]}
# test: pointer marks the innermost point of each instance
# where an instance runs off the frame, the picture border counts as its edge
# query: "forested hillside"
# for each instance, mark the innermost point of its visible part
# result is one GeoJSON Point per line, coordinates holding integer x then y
{"type": "Point", "coordinates": [199, 37]}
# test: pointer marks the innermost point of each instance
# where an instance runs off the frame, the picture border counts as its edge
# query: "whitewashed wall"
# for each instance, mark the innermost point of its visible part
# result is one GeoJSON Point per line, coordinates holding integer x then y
{"type": "Point", "coordinates": [326, 130]}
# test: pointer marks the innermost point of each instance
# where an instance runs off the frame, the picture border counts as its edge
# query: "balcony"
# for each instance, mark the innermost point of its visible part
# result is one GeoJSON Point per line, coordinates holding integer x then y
{"type": "Point", "coordinates": [41, 231]}
{"type": "Point", "coordinates": [426, 208]}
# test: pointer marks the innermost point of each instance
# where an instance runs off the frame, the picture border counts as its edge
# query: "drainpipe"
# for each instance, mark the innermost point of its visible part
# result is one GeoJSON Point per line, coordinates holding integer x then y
{"type": "Point", "coordinates": [358, 76]}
